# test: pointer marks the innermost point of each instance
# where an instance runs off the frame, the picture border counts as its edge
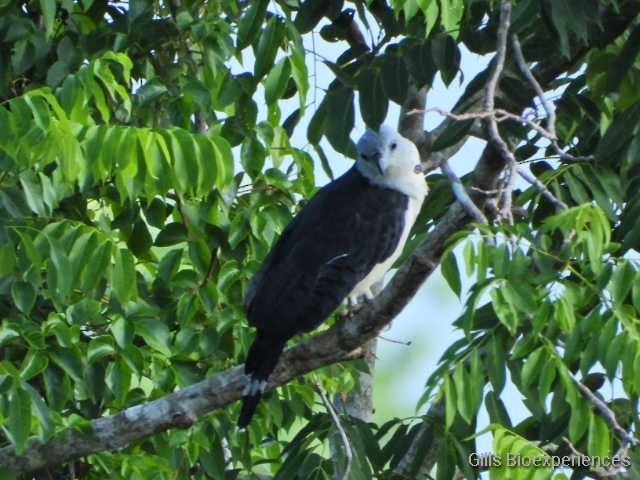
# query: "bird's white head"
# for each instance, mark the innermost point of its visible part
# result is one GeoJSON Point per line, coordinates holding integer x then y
{"type": "Point", "coordinates": [391, 160]}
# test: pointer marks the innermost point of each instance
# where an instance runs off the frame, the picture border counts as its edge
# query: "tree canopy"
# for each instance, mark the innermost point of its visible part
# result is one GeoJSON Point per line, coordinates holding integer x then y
{"type": "Point", "coordinates": [146, 166]}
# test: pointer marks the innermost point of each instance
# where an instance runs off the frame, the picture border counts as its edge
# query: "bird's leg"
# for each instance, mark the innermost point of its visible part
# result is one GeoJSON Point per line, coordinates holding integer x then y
{"type": "Point", "coordinates": [355, 303]}
{"type": "Point", "coordinates": [349, 311]}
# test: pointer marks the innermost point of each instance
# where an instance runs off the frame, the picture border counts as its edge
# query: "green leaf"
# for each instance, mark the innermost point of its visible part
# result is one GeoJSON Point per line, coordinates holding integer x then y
{"type": "Point", "coordinates": [451, 14]}
{"type": "Point", "coordinates": [496, 409]}
{"type": "Point", "coordinates": [34, 363]}
{"type": "Point", "coordinates": [505, 311]}
{"type": "Point", "coordinates": [252, 156]}
{"type": "Point", "coordinates": [373, 102]}
{"type": "Point", "coordinates": [26, 243]}
{"type": "Point", "coordinates": [168, 267]}
{"type": "Point", "coordinates": [185, 165]}
{"type": "Point", "coordinates": [24, 295]}
{"type": "Point", "coordinates": [249, 25]}
{"type": "Point", "coordinates": [453, 132]}
{"type": "Point", "coordinates": [599, 439]}
{"type": "Point", "coordinates": [70, 361]}
{"type": "Point", "coordinates": [395, 78]}
{"type": "Point", "coordinates": [570, 18]}
{"type": "Point", "coordinates": [83, 248]}
{"type": "Point", "coordinates": [118, 378]}
{"type": "Point", "coordinates": [564, 314]}
{"type": "Point", "coordinates": [624, 61]}
{"type": "Point", "coordinates": [155, 333]}
{"type": "Point", "coordinates": [446, 56]}
{"type": "Point", "coordinates": [46, 425]}
{"type": "Point", "coordinates": [318, 123]}
{"type": "Point", "coordinates": [95, 269]}
{"type": "Point", "coordinates": [140, 240]}
{"type": "Point", "coordinates": [33, 193]}
{"type": "Point", "coordinates": [621, 281]}
{"type": "Point", "coordinates": [268, 44]}
{"type": "Point", "coordinates": [171, 234]}
{"type": "Point", "coordinates": [123, 277]}
{"type": "Point", "coordinates": [464, 400]}
{"type": "Point", "coordinates": [579, 421]}
{"type": "Point", "coordinates": [419, 62]}
{"type": "Point", "coordinates": [496, 365]}
{"type": "Point", "coordinates": [99, 347]}
{"type": "Point", "coordinates": [617, 136]}
{"type": "Point", "coordinates": [340, 104]}
{"type": "Point", "coordinates": [450, 272]}
{"type": "Point", "coordinates": [277, 80]}
{"type": "Point", "coordinates": [7, 259]}
{"type": "Point", "coordinates": [18, 424]}
{"type": "Point", "coordinates": [309, 14]}
{"type": "Point", "coordinates": [60, 266]}
{"type": "Point", "coordinates": [531, 367]}
{"type": "Point", "coordinates": [324, 161]}
{"type": "Point", "coordinates": [123, 332]}
{"type": "Point", "coordinates": [635, 292]}
{"type": "Point", "coordinates": [156, 213]}
{"type": "Point", "coordinates": [298, 65]}
{"type": "Point", "coordinates": [430, 11]}
{"type": "Point", "coordinates": [450, 398]}
{"type": "Point", "coordinates": [224, 162]}
{"type": "Point", "coordinates": [547, 376]}
{"type": "Point", "coordinates": [152, 90]}
{"type": "Point", "coordinates": [238, 230]}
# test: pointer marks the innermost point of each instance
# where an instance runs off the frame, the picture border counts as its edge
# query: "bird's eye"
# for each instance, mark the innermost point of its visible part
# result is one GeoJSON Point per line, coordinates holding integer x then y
{"type": "Point", "coordinates": [393, 146]}
{"type": "Point", "coordinates": [363, 156]}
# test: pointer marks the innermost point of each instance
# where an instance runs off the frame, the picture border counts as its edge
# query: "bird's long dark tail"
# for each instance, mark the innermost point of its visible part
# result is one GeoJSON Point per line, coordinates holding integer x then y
{"type": "Point", "coordinates": [261, 360]}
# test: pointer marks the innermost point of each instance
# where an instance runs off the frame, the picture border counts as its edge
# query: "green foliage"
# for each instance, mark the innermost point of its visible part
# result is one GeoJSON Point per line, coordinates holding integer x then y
{"type": "Point", "coordinates": [128, 230]}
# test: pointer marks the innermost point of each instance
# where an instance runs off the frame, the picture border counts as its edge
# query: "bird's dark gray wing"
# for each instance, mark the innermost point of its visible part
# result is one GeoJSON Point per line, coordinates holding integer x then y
{"type": "Point", "coordinates": [337, 238]}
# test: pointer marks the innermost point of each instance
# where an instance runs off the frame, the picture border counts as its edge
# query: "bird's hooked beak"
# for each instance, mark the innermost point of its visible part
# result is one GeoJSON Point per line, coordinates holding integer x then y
{"type": "Point", "coordinates": [369, 149]}
{"type": "Point", "coordinates": [376, 156]}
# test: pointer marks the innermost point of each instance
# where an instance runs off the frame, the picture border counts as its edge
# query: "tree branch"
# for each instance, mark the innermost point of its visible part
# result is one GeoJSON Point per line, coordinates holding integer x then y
{"type": "Point", "coordinates": [340, 342]}
{"type": "Point", "coordinates": [411, 123]}
{"type": "Point", "coordinates": [607, 414]}
{"type": "Point", "coordinates": [462, 196]}
{"type": "Point", "coordinates": [548, 108]}
{"type": "Point", "coordinates": [343, 436]}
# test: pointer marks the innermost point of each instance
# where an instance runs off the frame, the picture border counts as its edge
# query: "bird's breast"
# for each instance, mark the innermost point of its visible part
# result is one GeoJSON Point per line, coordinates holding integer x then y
{"type": "Point", "coordinates": [377, 273]}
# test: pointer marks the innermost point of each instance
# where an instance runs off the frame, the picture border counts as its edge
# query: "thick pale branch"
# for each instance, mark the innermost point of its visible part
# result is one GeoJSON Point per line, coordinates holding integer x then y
{"type": "Point", "coordinates": [411, 125]}
{"type": "Point", "coordinates": [342, 341]}
{"type": "Point", "coordinates": [462, 196]}
{"type": "Point", "coordinates": [180, 409]}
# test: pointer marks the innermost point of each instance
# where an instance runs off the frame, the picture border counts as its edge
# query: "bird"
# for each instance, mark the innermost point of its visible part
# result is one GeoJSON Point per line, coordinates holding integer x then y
{"type": "Point", "coordinates": [335, 249]}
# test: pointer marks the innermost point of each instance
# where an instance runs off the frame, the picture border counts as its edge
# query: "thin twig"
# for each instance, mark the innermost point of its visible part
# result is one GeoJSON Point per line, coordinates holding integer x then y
{"type": "Point", "coordinates": [498, 65]}
{"type": "Point", "coordinates": [522, 64]}
{"type": "Point", "coordinates": [406, 343]}
{"type": "Point", "coordinates": [607, 415]}
{"type": "Point", "coordinates": [498, 114]}
{"type": "Point", "coordinates": [541, 187]}
{"type": "Point", "coordinates": [343, 436]}
{"type": "Point", "coordinates": [506, 199]}
{"type": "Point", "coordinates": [492, 83]}
{"type": "Point", "coordinates": [546, 105]}
{"type": "Point", "coordinates": [608, 472]}
{"type": "Point", "coordinates": [461, 194]}
{"type": "Point", "coordinates": [488, 106]}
